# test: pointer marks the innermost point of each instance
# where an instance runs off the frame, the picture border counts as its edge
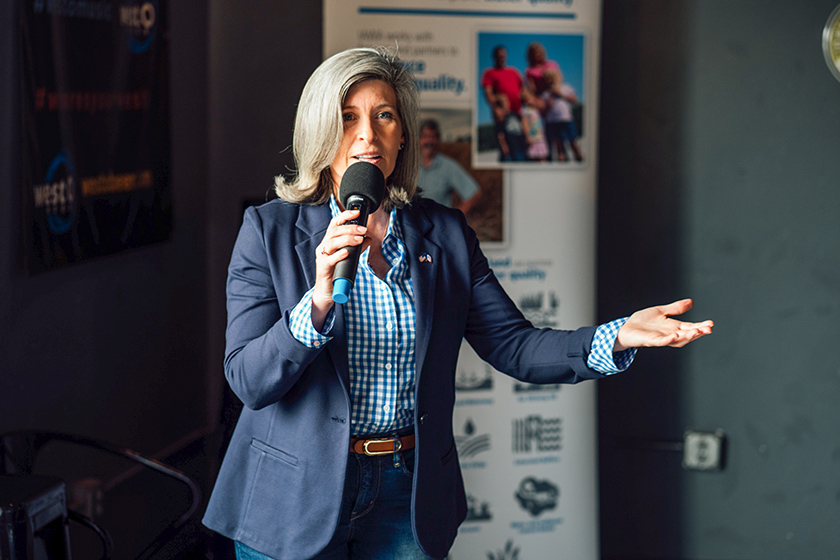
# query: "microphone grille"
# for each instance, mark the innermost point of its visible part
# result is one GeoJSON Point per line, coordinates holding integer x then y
{"type": "Point", "coordinates": [364, 179]}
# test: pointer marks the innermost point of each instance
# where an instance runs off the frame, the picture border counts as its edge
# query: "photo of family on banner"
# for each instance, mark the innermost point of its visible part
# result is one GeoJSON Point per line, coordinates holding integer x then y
{"type": "Point", "coordinates": [529, 99]}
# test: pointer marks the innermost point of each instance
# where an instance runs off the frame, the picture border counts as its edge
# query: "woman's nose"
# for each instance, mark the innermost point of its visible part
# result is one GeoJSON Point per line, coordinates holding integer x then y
{"type": "Point", "coordinates": [366, 130]}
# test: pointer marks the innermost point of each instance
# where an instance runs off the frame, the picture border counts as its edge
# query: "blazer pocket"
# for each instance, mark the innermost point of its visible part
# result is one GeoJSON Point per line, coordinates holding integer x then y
{"type": "Point", "coordinates": [274, 452]}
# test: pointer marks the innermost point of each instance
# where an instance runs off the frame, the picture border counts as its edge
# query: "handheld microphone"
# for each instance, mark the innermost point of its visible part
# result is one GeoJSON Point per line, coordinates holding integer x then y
{"type": "Point", "coordinates": [362, 188]}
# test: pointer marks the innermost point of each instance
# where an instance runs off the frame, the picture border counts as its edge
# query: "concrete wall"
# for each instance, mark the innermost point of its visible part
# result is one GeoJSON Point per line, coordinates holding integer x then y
{"type": "Point", "coordinates": [720, 167]}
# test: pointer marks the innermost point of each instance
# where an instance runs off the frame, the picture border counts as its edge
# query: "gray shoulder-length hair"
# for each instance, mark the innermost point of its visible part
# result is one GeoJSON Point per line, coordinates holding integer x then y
{"type": "Point", "coordinates": [319, 126]}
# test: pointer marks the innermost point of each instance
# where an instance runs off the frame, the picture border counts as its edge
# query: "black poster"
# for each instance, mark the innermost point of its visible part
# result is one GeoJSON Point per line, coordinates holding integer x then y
{"type": "Point", "coordinates": [95, 141]}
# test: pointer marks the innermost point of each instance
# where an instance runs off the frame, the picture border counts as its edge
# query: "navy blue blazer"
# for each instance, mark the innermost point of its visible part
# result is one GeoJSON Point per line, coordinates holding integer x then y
{"type": "Point", "coordinates": [280, 485]}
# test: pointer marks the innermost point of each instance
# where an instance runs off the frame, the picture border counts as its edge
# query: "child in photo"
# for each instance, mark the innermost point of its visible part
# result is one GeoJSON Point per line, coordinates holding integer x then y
{"type": "Point", "coordinates": [532, 126]}
{"type": "Point", "coordinates": [560, 127]}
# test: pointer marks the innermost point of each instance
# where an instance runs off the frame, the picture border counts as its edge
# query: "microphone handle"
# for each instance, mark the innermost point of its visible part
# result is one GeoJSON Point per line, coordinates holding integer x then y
{"type": "Point", "coordinates": [345, 270]}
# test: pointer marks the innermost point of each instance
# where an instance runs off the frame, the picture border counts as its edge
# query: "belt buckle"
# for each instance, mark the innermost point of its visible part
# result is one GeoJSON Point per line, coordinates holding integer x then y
{"type": "Point", "coordinates": [396, 441]}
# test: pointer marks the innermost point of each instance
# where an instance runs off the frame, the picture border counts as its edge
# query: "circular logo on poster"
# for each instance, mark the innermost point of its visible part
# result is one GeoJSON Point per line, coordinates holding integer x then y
{"type": "Point", "coordinates": [831, 42]}
{"type": "Point", "coordinates": [58, 193]}
{"type": "Point", "coordinates": [139, 19]}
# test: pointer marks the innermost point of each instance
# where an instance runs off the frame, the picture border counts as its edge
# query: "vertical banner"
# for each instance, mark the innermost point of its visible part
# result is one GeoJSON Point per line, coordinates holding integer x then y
{"type": "Point", "coordinates": [512, 88]}
{"type": "Point", "coordinates": [95, 140]}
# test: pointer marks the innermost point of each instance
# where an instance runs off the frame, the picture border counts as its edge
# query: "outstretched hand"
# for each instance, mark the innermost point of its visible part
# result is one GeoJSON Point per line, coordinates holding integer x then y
{"type": "Point", "coordinates": [653, 327]}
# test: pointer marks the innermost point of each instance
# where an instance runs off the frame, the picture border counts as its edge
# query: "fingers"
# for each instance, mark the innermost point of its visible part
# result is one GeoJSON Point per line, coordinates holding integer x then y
{"type": "Point", "coordinates": [340, 235]}
{"type": "Point", "coordinates": [686, 331]}
{"type": "Point", "coordinates": [691, 333]}
{"type": "Point", "coordinates": [337, 243]}
{"type": "Point", "coordinates": [705, 327]}
{"type": "Point", "coordinates": [653, 327]}
{"type": "Point", "coordinates": [330, 260]}
{"type": "Point", "coordinates": [677, 308]}
{"type": "Point", "coordinates": [333, 248]}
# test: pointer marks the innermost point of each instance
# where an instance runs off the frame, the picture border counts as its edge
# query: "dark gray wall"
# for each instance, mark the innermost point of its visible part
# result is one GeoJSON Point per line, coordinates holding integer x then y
{"type": "Point", "coordinates": [260, 59]}
{"type": "Point", "coordinates": [719, 176]}
{"type": "Point", "coordinates": [114, 348]}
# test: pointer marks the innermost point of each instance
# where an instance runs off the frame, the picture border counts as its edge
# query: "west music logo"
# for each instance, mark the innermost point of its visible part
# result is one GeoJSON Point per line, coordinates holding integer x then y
{"type": "Point", "coordinates": [56, 196]}
{"type": "Point", "coordinates": [139, 21]}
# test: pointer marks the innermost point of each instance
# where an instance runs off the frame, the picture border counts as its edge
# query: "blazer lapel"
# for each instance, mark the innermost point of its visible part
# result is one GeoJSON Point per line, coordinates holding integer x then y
{"type": "Point", "coordinates": [312, 223]}
{"type": "Point", "coordinates": [423, 262]}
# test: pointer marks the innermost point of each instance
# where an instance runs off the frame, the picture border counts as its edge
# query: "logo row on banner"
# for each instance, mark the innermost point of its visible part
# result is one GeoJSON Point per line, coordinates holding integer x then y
{"type": "Point", "coordinates": [533, 439]}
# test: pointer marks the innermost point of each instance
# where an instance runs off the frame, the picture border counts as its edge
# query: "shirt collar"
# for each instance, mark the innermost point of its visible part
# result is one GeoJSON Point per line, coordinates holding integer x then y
{"type": "Point", "coordinates": [393, 246]}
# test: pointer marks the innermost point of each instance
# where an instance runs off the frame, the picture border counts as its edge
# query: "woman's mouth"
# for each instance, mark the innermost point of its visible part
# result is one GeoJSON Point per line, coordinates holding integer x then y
{"type": "Point", "coordinates": [370, 158]}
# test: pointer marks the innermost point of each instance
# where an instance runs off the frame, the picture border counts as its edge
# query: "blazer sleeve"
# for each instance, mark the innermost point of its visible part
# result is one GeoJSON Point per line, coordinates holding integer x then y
{"type": "Point", "coordinates": [499, 332]}
{"type": "Point", "coordinates": [263, 359]}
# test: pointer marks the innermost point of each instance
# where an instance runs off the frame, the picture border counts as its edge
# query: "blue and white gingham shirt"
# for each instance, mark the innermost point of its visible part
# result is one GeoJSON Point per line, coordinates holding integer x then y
{"type": "Point", "coordinates": [380, 319]}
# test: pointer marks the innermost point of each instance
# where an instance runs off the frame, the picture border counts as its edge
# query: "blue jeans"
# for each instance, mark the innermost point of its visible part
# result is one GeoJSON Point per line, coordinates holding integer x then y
{"type": "Point", "coordinates": [375, 522]}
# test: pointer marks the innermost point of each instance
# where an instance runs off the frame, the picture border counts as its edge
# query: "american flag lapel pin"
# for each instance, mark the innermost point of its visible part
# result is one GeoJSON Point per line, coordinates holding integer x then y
{"type": "Point", "coordinates": [425, 258]}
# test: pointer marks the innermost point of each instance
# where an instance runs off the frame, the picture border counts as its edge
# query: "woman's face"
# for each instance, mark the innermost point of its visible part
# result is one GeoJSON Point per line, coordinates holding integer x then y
{"type": "Point", "coordinates": [372, 129]}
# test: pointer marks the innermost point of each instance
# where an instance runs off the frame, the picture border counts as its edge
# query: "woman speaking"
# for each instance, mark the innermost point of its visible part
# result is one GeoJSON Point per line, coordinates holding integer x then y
{"type": "Point", "coordinates": [345, 447]}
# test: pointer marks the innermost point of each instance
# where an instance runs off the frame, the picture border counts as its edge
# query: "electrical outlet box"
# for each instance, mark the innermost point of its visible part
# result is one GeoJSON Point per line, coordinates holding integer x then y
{"type": "Point", "coordinates": [703, 451]}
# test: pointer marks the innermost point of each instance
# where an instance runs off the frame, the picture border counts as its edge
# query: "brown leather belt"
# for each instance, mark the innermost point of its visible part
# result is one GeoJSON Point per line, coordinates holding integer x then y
{"type": "Point", "coordinates": [381, 446]}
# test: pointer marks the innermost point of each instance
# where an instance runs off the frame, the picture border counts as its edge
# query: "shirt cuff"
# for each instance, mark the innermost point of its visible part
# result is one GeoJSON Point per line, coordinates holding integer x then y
{"type": "Point", "coordinates": [601, 356]}
{"type": "Point", "coordinates": [300, 323]}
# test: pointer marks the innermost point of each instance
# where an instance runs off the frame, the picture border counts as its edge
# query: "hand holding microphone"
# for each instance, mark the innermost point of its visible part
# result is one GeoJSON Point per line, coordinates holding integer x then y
{"type": "Point", "coordinates": [362, 188]}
